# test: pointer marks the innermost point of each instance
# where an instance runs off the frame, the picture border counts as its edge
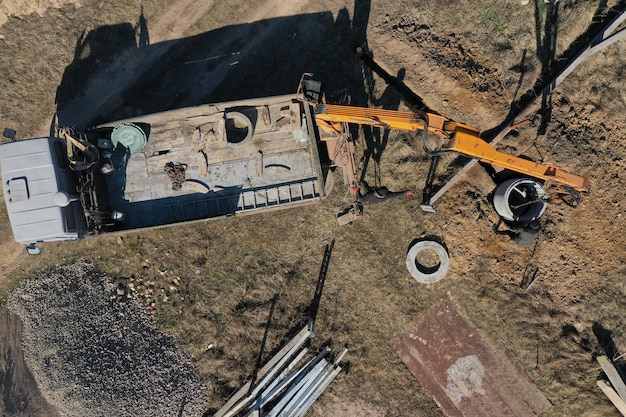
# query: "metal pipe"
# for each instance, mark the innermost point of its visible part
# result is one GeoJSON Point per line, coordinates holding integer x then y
{"type": "Point", "coordinates": [277, 385]}
{"type": "Point", "coordinates": [296, 403]}
{"type": "Point", "coordinates": [295, 377]}
{"type": "Point", "coordinates": [230, 409]}
{"type": "Point", "coordinates": [294, 391]}
{"type": "Point", "coordinates": [318, 391]}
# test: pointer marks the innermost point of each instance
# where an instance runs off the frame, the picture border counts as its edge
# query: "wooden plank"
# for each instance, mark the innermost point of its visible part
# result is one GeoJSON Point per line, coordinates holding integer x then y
{"type": "Point", "coordinates": [584, 53]}
{"type": "Point", "coordinates": [608, 41]}
{"type": "Point", "coordinates": [612, 395]}
{"type": "Point", "coordinates": [613, 375]}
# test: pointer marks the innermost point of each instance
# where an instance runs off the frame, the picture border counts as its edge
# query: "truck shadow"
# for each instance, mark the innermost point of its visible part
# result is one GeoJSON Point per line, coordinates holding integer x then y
{"type": "Point", "coordinates": [117, 73]}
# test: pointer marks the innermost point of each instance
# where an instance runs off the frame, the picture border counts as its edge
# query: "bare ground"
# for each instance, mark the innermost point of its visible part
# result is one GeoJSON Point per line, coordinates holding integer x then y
{"type": "Point", "coordinates": [469, 63]}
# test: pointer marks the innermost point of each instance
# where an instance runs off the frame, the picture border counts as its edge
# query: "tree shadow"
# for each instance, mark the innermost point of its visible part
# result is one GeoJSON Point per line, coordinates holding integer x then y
{"type": "Point", "coordinates": [569, 331]}
{"type": "Point", "coordinates": [319, 288]}
{"type": "Point", "coordinates": [546, 52]}
{"type": "Point", "coordinates": [552, 66]}
{"type": "Point", "coordinates": [260, 357]}
{"type": "Point", "coordinates": [521, 68]}
{"type": "Point", "coordinates": [143, 38]}
{"type": "Point", "coordinates": [118, 73]}
{"type": "Point", "coordinates": [605, 339]}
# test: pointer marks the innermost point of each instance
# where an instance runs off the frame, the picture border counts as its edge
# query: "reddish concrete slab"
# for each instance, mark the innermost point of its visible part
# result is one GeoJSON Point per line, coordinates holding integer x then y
{"type": "Point", "coordinates": [462, 370]}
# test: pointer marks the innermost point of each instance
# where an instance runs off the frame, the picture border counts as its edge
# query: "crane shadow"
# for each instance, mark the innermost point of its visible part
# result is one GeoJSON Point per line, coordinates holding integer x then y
{"type": "Point", "coordinates": [395, 92]}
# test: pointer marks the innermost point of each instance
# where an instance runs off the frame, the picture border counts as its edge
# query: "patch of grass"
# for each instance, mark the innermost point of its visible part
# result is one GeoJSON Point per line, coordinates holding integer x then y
{"type": "Point", "coordinates": [492, 19]}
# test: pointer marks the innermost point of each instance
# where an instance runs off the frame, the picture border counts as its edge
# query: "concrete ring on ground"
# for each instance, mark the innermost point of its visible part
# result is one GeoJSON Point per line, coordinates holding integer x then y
{"type": "Point", "coordinates": [422, 273]}
{"type": "Point", "coordinates": [520, 200]}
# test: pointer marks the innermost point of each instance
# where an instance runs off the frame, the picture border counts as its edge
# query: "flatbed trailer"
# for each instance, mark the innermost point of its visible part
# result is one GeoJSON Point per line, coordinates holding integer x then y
{"type": "Point", "coordinates": [174, 167]}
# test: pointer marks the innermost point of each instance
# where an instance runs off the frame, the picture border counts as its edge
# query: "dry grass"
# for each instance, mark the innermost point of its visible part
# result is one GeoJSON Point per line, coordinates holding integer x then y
{"type": "Point", "coordinates": [33, 57]}
{"type": "Point", "coordinates": [214, 282]}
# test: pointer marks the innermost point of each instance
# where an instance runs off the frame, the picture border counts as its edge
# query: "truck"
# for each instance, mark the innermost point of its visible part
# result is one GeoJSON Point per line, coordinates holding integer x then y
{"type": "Point", "coordinates": [216, 160]}
{"type": "Point", "coordinates": [175, 167]}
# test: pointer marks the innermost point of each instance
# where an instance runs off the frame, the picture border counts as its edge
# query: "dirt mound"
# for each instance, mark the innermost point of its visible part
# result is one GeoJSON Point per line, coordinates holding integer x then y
{"type": "Point", "coordinates": [94, 355]}
{"type": "Point", "coordinates": [446, 50]}
{"type": "Point", "coordinates": [446, 66]}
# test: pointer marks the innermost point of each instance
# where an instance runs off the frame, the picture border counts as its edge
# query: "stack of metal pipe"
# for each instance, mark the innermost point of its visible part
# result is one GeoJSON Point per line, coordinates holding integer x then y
{"type": "Point", "coordinates": [288, 384]}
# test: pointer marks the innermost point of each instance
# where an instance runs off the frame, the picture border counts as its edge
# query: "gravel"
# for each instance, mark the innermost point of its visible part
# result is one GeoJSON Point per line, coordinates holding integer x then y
{"type": "Point", "coordinates": [94, 355]}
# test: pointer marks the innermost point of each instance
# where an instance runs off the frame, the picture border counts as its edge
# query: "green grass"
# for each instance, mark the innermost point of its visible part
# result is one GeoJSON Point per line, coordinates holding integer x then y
{"type": "Point", "coordinates": [491, 18]}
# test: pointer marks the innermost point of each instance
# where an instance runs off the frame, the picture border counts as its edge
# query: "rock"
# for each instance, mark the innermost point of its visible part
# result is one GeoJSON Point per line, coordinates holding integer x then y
{"type": "Point", "coordinates": [119, 363]}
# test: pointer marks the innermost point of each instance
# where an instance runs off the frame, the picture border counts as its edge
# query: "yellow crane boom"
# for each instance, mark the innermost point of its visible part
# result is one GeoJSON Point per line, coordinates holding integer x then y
{"type": "Point", "coordinates": [457, 137]}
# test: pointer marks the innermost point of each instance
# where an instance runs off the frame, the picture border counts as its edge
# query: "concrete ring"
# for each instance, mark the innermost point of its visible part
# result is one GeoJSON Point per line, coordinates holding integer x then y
{"type": "Point", "coordinates": [235, 115]}
{"type": "Point", "coordinates": [424, 274]}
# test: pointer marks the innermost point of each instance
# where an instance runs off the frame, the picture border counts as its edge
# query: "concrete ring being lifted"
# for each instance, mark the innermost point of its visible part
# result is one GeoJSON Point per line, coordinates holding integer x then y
{"type": "Point", "coordinates": [422, 273]}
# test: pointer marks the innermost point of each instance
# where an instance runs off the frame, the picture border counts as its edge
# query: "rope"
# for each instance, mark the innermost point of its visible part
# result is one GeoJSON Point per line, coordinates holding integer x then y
{"type": "Point", "coordinates": [176, 172]}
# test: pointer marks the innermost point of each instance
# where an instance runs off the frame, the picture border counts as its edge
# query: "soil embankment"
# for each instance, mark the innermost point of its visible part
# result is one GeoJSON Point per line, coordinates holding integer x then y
{"type": "Point", "coordinates": [20, 394]}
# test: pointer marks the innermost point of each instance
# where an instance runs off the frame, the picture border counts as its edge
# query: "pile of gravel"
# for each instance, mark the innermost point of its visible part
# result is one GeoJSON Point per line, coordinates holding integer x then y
{"type": "Point", "coordinates": [93, 355]}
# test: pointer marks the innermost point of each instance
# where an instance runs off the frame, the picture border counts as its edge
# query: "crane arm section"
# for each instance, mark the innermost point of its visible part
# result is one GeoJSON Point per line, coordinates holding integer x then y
{"type": "Point", "coordinates": [457, 137]}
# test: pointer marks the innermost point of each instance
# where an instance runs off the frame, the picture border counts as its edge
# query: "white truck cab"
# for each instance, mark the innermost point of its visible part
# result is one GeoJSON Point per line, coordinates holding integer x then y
{"type": "Point", "coordinates": [40, 191]}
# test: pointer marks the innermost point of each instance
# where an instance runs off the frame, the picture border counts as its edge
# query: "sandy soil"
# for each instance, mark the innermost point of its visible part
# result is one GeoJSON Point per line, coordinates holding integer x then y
{"type": "Point", "coordinates": [20, 8]}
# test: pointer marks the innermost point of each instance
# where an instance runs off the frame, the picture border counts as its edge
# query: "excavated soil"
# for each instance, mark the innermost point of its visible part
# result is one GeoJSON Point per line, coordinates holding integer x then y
{"type": "Point", "coordinates": [454, 78]}
{"type": "Point", "coordinates": [580, 140]}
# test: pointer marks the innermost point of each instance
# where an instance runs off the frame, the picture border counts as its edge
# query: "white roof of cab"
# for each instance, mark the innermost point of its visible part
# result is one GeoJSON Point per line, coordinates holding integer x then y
{"type": "Point", "coordinates": [29, 183]}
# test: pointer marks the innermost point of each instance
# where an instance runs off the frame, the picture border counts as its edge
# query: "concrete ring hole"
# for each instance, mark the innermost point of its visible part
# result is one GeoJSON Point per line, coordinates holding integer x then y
{"type": "Point", "coordinates": [520, 200]}
{"type": "Point", "coordinates": [427, 260]}
{"type": "Point", "coordinates": [239, 128]}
